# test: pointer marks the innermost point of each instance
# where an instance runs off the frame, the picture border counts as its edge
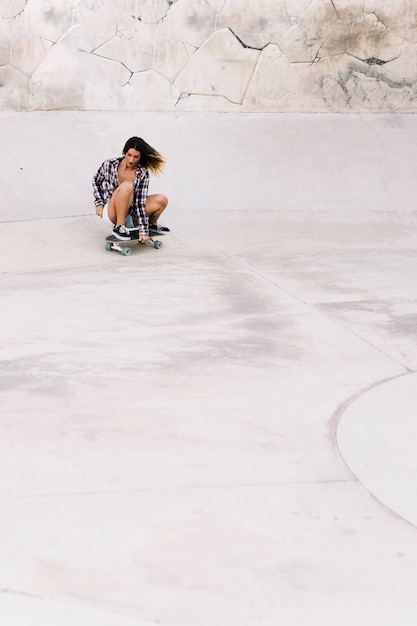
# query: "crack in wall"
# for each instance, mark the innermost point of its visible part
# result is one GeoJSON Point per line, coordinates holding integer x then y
{"type": "Point", "coordinates": [186, 95]}
{"type": "Point", "coordinates": [374, 61]}
{"type": "Point", "coordinates": [334, 6]}
{"type": "Point", "coordinates": [17, 14]}
{"type": "Point", "coordinates": [161, 19]}
{"type": "Point", "coordinates": [139, 18]}
{"type": "Point", "coordinates": [378, 19]}
{"type": "Point", "coordinates": [245, 45]}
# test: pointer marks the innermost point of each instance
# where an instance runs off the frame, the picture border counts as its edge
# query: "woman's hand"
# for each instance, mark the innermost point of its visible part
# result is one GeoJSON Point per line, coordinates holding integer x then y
{"type": "Point", "coordinates": [99, 210]}
{"type": "Point", "coordinates": [143, 238]}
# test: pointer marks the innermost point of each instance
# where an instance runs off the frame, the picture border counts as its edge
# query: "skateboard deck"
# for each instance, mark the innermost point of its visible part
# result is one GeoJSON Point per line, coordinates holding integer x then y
{"type": "Point", "coordinates": [125, 246]}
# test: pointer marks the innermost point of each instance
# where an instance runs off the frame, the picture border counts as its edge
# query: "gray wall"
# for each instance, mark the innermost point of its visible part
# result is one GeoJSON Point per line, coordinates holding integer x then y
{"type": "Point", "coordinates": [209, 55]}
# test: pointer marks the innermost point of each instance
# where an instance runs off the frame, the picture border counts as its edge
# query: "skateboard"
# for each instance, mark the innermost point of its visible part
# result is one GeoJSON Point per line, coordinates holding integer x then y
{"type": "Point", "coordinates": [124, 246]}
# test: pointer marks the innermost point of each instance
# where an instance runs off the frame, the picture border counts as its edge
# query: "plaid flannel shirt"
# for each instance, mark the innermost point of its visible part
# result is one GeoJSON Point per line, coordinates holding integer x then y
{"type": "Point", "coordinates": [106, 180]}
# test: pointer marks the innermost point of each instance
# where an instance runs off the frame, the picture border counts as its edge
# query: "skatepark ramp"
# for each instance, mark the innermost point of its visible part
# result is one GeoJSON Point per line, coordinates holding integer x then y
{"type": "Point", "coordinates": [220, 432]}
{"type": "Point", "coordinates": [286, 180]}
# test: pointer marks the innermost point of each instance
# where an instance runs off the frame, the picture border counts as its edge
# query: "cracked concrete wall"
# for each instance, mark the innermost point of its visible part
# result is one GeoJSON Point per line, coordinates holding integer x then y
{"type": "Point", "coordinates": [209, 55]}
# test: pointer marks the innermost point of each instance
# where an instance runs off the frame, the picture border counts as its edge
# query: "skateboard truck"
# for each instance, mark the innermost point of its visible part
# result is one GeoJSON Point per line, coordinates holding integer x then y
{"type": "Point", "coordinates": [124, 247]}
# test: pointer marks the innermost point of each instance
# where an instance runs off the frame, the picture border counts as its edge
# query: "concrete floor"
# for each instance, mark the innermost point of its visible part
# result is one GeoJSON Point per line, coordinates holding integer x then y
{"type": "Point", "coordinates": [222, 432]}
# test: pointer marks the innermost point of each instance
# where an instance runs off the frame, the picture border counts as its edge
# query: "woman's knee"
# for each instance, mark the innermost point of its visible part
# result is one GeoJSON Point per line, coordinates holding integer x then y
{"type": "Point", "coordinates": [161, 200]}
{"type": "Point", "coordinates": [156, 203]}
{"type": "Point", "coordinates": [125, 187]}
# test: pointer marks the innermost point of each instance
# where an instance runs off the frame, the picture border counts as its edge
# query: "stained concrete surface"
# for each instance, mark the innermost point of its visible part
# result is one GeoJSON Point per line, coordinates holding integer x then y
{"type": "Point", "coordinates": [221, 431]}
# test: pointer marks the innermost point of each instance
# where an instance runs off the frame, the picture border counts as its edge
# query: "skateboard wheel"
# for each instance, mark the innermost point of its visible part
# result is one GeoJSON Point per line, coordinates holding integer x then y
{"type": "Point", "coordinates": [108, 245]}
{"type": "Point", "coordinates": [157, 244]}
{"type": "Point", "coordinates": [126, 251]}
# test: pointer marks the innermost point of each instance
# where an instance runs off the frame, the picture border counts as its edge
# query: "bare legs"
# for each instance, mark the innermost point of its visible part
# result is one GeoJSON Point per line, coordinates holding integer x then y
{"type": "Point", "coordinates": [122, 198]}
{"type": "Point", "coordinates": [155, 206]}
{"type": "Point", "coordinates": [120, 202]}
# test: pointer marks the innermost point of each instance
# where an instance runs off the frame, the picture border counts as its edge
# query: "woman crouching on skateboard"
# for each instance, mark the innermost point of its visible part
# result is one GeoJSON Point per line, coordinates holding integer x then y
{"type": "Point", "coordinates": [120, 188]}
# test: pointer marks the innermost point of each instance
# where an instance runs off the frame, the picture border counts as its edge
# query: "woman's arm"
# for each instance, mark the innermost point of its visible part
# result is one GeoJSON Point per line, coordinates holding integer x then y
{"type": "Point", "coordinates": [97, 181]}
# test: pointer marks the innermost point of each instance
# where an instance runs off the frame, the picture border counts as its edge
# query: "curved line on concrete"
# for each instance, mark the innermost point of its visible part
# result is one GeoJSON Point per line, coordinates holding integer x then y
{"type": "Point", "coordinates": [334, 428]}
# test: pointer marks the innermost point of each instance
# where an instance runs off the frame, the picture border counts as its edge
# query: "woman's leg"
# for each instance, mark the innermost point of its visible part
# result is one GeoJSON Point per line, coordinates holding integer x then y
{"type": "Point", "coordinates": [120, 202]}
{"type": "Point", "coordinates": [155, 205]}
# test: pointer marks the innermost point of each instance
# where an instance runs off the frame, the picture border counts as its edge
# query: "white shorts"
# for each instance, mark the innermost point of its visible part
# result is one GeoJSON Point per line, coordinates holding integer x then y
{"type": "Point", "coordinates": [105, 217]}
